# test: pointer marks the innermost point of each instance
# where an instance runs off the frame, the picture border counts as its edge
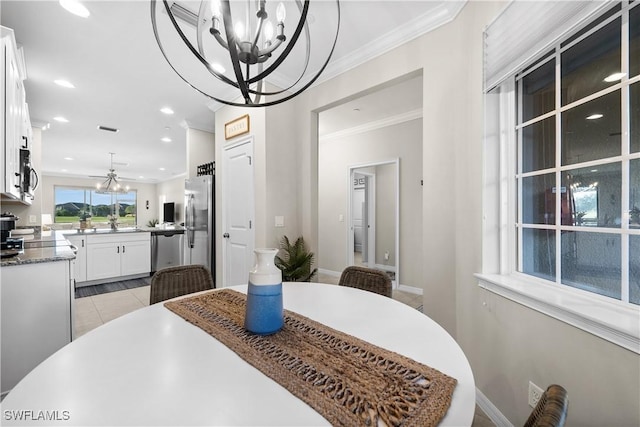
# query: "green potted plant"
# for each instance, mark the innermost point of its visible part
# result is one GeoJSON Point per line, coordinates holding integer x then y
{"type": "Point", "coordinates": [295, 261]}
{"type": "Point", "coordinates": [85, 219]}
{"type": "Point", "coordinates": [152, 223]}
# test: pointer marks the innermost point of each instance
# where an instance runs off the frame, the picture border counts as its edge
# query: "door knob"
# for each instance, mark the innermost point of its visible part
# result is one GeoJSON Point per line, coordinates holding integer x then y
{"type": "Point", "coordinates": [225, 235]}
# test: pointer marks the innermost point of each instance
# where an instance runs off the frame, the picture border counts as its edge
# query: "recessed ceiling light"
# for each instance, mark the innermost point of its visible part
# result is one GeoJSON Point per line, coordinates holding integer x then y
{"type": "Point", "coordinates": [161, 169]}
{"type": "Point", "coordinates": [61, 119]}
{"type": "Point", "coordinates": [614, 77]}
{"type": "Point", "coordinates": [594, 170]}
{"type": "Point", "coordinates": [595, 116]}
{"type": "Point", "coordinates": [75, 7]}
{"type": "Point", "coordinates": [141, 177]}
{"type": "Point", "coordinates": [63, 170]}
{"type": "Point", "coordinates": [64, 83]}
{"type": "Point", "coordinates": [68, 158]}
{"type": "Point", "coordinates": [166, 139]}
{"type": "Point", "coordinates": [166, 110]}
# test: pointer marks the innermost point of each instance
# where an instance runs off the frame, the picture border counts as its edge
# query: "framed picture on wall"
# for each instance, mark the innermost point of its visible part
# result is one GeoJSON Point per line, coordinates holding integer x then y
{"type": "Point", "coordinates": [236, 127]}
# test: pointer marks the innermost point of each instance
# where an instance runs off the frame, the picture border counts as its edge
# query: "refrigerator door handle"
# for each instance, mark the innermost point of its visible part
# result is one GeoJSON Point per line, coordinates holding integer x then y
{"type": "Point", "coordinates": [191, 211]}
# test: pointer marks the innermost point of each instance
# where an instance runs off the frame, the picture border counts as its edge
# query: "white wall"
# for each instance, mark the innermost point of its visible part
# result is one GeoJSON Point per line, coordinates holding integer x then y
{"type": "Point", "coordinates": [146, 192]}
{"type": "Point", "coordinates": [335, 157]}
{"type": "Point", "coordinates": [200, 150]}
{"type": "Point", "coordinates": [506, 343]}
{"type": "Point", "coordinates": [171, 191]}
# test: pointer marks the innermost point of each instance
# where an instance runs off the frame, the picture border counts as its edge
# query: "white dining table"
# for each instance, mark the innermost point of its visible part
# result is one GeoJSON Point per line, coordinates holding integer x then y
{"type": "Point", "coordinates": [153, 368]}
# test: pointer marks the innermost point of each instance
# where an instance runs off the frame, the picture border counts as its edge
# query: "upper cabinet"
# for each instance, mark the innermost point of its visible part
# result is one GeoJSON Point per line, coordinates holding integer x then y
{"type": "Point", "coordinates": [16, 126]}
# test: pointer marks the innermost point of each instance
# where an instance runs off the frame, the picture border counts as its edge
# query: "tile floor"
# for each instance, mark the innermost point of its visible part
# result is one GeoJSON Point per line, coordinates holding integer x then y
{"type": "Point", "coordinates": [93, 311]}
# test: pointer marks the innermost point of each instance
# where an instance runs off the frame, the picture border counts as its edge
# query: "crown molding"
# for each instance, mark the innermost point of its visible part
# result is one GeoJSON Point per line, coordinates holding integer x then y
{"type": "Point", "coordinates": [440, 15]}
{"type": "Point", "coordinates": [371, 126]}
{"type": "Point", "coordinates": [444, 13]}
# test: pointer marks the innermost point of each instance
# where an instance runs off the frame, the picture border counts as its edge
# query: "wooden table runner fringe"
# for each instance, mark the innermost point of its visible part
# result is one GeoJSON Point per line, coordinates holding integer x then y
{"type": "Point", "coordinates": [347, 380]}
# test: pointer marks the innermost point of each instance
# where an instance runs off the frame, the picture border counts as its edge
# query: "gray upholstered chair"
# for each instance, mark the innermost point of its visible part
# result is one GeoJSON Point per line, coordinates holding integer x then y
{"type": "Point", "coordinates": [173, 282]}
{"type": "Point", "coordinates": [366, 278]}
{"type": "Point", "coordinates": [551, 410]}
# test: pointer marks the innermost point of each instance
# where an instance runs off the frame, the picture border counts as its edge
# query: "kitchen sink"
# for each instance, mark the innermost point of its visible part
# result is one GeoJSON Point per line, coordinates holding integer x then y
{"type": "Point", "coordinates": [108, 230]}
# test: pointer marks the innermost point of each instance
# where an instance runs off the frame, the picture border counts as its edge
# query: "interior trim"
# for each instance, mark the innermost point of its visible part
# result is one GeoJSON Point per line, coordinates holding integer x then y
{"type": "Point", "coordinates": [491, 411]}
{"type": "Point", "coordinates": [601, 316]}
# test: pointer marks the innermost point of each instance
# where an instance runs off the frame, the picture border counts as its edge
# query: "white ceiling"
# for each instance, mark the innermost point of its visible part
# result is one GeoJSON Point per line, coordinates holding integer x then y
{"type": "Point", "coordinates": [121, 80]}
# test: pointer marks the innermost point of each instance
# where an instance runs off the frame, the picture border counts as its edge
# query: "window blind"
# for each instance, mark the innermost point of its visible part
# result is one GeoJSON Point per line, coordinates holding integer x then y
{"type": "Point", "coordinates": [525, 29]}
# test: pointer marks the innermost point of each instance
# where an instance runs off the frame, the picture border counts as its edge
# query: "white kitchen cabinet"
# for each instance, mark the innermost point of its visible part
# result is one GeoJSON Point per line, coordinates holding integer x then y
{"type": "Point", "coordinates": [136, 257]}
{"type": "Point", "coordinates": [80, 242]}
{"type": "Point", "coordinates": [115, 255]}
{"type": "Point", "coordinates": [36, 315]}
{"type": "Point", "coordinates": [13, 111]}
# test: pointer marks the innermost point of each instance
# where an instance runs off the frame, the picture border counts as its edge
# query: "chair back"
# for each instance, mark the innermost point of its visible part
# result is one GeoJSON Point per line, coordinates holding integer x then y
{"type": "Point", "coordinates": [366, 278]}
{"type": "Point", "coordinates": [173, 282]}
{"type": "Point", "coordinates": [551, 410]}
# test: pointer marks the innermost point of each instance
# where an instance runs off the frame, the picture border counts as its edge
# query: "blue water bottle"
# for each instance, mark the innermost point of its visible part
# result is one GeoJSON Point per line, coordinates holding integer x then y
{"type": "Point", "coordinates": [264, 313]}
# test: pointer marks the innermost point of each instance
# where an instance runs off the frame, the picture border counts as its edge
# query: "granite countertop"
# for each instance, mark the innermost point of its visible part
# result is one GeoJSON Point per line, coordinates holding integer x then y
{"type": "Point", "coordinates": [58, 248]}
{"type": "Point", "coordinates": [37, 255]}
{"type": "Point", "coordinates": [54, 247]}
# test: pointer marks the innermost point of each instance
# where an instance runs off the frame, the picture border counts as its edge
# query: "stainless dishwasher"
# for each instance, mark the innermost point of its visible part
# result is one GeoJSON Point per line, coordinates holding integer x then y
{"type": "Point", "coordinates": [166, 248]}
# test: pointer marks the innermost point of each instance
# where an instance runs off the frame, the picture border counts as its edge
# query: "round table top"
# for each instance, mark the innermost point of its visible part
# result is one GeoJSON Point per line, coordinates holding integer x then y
{"type": "Point", "coordinates": [151, 367]}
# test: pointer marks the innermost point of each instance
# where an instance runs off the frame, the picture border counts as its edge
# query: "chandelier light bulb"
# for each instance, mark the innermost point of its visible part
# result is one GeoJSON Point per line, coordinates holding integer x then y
{"type": "Point", "coordinates": [268, 31]}
{"type": "Point", "coordinates": [281, 13]}
{"type": "Point", "coordinates": [239, 29]}
{"type": "Point", "coordinates": [215, 8]}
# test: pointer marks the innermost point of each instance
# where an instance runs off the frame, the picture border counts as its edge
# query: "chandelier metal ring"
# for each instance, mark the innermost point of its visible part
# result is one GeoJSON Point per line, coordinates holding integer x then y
{"type": "Point", "coordinates": [245, 52]}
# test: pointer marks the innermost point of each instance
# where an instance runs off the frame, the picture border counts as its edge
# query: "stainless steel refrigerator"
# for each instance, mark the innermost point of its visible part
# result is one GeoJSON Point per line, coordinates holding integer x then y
{"type": "Point", "coordinates": [199, 239]}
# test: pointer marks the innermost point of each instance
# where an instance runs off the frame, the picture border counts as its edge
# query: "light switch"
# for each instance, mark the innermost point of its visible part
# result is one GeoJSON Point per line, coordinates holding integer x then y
{"type": "Point", "coordinates": [279, 221]}
{"type": "Point", "coordinates": [32, 219]}
{"type": "Point", "coordinates": [341, 218]}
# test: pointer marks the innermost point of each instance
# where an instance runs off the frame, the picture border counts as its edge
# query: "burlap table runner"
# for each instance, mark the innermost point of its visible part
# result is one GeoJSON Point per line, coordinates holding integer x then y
{"type": "Point", "coordinates": [347, 380]}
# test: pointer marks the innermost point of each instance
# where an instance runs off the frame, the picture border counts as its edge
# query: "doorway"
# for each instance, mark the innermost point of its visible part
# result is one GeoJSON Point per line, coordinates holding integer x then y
{"type": "Point", "coordinates": [373, 210]}
{"type": "Point", "coordinates": [372, 129]}
{"type": "Point", "coordinates": [363, 222]}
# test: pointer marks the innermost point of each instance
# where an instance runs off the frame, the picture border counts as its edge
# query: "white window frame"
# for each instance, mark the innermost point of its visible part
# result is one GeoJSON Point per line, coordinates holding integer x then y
{"type": "Point", "coordinates": [610, 319]}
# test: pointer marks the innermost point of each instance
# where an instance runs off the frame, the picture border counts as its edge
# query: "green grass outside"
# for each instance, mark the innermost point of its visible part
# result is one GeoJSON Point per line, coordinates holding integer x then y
{"type": "Point", "coordinates": [123, 220]}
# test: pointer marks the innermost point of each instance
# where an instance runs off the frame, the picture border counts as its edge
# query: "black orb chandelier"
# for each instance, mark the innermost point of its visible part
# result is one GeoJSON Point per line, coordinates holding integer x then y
{"type": "Point", "coordinates": [238, 43]}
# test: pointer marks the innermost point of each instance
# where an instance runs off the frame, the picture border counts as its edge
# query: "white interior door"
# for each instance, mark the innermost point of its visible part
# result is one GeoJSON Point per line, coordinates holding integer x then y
{"type": "Point", "coordinates": [238, 213]}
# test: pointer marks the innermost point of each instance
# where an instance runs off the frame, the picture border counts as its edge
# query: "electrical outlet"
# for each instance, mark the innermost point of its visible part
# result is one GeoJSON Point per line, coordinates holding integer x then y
{"type": "Point", "coordinates": [535, 393]}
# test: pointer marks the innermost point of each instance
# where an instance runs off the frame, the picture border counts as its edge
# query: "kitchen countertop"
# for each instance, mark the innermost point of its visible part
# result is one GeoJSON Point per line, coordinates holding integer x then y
{"type": "Point", "coordinates": [57, 249]}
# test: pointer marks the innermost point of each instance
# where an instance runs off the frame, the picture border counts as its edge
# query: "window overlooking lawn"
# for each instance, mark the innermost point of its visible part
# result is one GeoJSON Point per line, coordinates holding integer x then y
{"type": "Point", "coordinates": [74, 203]}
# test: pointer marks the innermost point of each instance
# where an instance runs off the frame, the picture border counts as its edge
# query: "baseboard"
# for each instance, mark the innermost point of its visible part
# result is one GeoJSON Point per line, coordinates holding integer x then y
{"type": "Point", "coordinates": [491, 411]}
{"type": "Point", "coordinates": [410, 289]}
{"type": "Point", "coordinates": [111, 280]}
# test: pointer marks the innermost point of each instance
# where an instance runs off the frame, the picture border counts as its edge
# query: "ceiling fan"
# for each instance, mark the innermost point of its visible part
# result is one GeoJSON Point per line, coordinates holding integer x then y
{"type": "Point", "coordinates": [111, 184]}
